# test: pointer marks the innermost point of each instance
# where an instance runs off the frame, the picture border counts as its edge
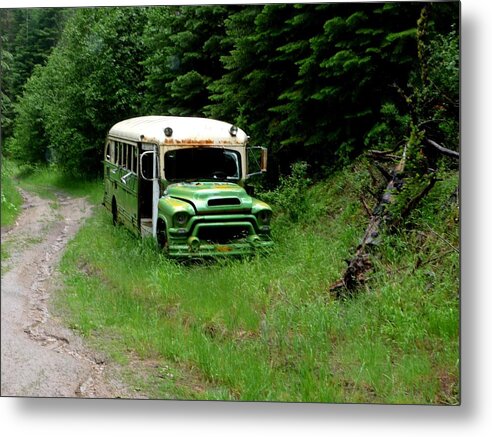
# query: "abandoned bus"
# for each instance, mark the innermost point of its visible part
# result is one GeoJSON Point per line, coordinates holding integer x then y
{"type": "Point", "coordinates": [181, 180]}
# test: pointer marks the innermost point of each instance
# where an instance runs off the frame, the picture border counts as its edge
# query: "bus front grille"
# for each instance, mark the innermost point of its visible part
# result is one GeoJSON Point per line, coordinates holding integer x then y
{"type": "Point", "coordinates": [224, 201]}
{"type": "Point", "coordinates": [222, 234]}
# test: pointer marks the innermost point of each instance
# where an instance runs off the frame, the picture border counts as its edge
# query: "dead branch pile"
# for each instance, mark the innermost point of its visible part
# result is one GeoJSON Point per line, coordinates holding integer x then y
{"type": "Point", "coordinates": [360, 263]}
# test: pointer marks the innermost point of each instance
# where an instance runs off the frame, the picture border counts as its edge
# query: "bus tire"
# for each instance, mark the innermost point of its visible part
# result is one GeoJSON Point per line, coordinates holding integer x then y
{"type": "Point", "coordinates": [114, 210]}
{"type": "Point", "coordinates": [161, 235]}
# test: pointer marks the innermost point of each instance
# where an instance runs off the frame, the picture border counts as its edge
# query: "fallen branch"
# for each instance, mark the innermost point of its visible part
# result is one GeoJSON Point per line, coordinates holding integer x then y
{"type": "Point", "coordinates": [383, 155]}
{"type": "Point", "coordinates": [415, 201]}
{"type": "Point", "coordinates": [443, 150]}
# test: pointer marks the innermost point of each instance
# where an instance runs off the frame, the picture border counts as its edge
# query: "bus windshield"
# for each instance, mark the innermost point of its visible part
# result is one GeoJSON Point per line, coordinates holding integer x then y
{"type": "Point", "coordinates": [202, 163]}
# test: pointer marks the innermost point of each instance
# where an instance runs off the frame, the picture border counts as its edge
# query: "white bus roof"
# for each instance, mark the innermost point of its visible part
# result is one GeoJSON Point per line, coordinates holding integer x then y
{"type": "Point", "coordinates": [185, 131]}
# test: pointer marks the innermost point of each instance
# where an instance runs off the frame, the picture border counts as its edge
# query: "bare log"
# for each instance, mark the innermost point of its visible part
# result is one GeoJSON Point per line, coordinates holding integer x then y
{"type": "Point", "coordinates": [358, 266]}
{"type": "Point", "coordinates": [443, 150]}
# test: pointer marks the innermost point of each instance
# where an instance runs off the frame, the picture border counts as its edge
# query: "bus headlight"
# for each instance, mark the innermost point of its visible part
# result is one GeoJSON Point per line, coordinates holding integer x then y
{"type": "Point", "coordinates": [194, 244]}
{"type": "Point", "coordinates": [264, 217]}
{"type": "Point", "coordinates": [180, 219]}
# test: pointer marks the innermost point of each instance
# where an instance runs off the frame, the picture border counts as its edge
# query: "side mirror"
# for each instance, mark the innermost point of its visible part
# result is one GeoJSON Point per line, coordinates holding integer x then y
{"type": "Point", "coordinates": [264, 159]}
{"type": "Point", "coordinates": [253, 158]}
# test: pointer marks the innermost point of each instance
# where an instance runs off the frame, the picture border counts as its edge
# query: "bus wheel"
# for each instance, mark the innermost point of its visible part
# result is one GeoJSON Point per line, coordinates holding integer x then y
{"type": "Point", "coordinates": [114, 210]}
{"type": "Point", "coordinates": [161, 236]}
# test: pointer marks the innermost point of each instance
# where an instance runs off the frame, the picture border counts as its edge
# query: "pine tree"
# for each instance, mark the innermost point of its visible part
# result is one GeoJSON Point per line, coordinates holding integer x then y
{"type": "Point", "coordinates": [349, 67]}
{"type": "Point", "coordinates": [184, 45]}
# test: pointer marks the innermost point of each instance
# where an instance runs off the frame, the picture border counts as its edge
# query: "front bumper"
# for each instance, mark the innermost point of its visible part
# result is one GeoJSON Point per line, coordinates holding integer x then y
{"type": "Point", "coordinates": [217, 250]}
{"type": "Point", "coordinates": [254, 239]}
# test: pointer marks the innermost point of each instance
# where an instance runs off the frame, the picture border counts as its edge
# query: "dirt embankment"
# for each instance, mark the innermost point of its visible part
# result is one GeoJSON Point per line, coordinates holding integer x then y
{"type": "Point", "coordinates": [40, 357]}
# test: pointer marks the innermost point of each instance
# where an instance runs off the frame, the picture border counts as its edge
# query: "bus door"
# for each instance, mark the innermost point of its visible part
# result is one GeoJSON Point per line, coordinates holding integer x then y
{"type": "Point", "coordinates": [129, 183]}
{"type": "Point", "coordinates": [148, 190]}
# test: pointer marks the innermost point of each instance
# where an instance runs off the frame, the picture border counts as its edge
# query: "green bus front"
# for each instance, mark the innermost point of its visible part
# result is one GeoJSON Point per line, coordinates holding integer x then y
{"type": "Point", "coordinates": [204, 209]}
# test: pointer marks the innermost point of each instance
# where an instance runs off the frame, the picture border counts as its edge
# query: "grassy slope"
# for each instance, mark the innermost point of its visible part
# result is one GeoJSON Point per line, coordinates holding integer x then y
{"type": "Point", "coordinates": [267, 328]}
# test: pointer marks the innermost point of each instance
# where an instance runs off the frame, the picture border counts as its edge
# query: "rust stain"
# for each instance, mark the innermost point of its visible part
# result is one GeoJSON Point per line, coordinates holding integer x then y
{"type": "Point", "coordinates": [225, 187]}
{"type": "Point", "coordinates": [223, 248]}
{"type": "Point", "coordinates": [194, 141]}
{"type": "Point", "coordinates": [200, 143]}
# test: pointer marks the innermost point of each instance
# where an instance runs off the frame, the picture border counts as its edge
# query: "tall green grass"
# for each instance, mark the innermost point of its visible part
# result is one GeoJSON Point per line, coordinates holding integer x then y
{"type": "Point", "coordinates": [267, 328]}
{"type": "Point", "coordinates": [11, 200]}
{"type": "Point", "coordinates": [46, 180]}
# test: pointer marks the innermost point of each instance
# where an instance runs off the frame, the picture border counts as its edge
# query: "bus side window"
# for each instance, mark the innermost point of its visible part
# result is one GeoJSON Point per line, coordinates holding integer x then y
{"type": "Point", "coordinates": [132, 159]}
{"type": "Point", "coordinates": [135, 160]}
{"type": "Point", "coordinates": [129, 157]}
{"type": "Point", "coordinates": [111, 152]}
{"type": "Point", "coordinates": [106, 153]}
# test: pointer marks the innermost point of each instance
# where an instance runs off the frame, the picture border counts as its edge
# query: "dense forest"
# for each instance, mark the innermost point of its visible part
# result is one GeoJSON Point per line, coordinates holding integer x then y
{"type": "Point", "coordinates": [320, 83]}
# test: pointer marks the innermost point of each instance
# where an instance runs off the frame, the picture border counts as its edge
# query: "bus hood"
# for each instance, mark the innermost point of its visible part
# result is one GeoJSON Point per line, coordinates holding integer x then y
{"type": "Point", "coordinates": [212, 197]}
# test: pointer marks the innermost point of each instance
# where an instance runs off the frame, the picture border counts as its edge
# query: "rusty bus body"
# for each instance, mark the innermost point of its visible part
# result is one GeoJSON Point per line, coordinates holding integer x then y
{"type": "Point", "coordinates": [181, 180]}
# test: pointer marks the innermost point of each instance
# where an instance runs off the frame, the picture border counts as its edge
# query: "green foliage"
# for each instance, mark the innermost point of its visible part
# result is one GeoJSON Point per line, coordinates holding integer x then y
{"type": "Point", "coordinates": [429, 108]}
{"type": "Point", "coordinates": [390, 130]}
{"type": "Point", "coordinates": [28, 36]}
{"type": "Point", "coordinates": [6, 108]}
{"type": "Point", "coordinates": [444, 64]}
{"type": "Point", "coordinates": [92, 68]}
{"type": "Point", "coordinates": [30, 141]}
{"type": "Point", "coordinates": [440, 95]}
{"type": "Point", "coordinates": [291, 194]}
{"type": "Point", "coordinates": [343, 73]}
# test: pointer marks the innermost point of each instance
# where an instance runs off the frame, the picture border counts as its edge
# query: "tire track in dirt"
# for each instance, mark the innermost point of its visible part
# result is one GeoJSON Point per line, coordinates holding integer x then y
{"type": "Point", "coordinates": [41, 357]}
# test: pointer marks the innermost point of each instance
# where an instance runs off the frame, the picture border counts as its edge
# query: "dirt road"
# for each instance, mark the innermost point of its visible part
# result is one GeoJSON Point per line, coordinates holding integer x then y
{"type": "Point", "coordinates": [40, 357]}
